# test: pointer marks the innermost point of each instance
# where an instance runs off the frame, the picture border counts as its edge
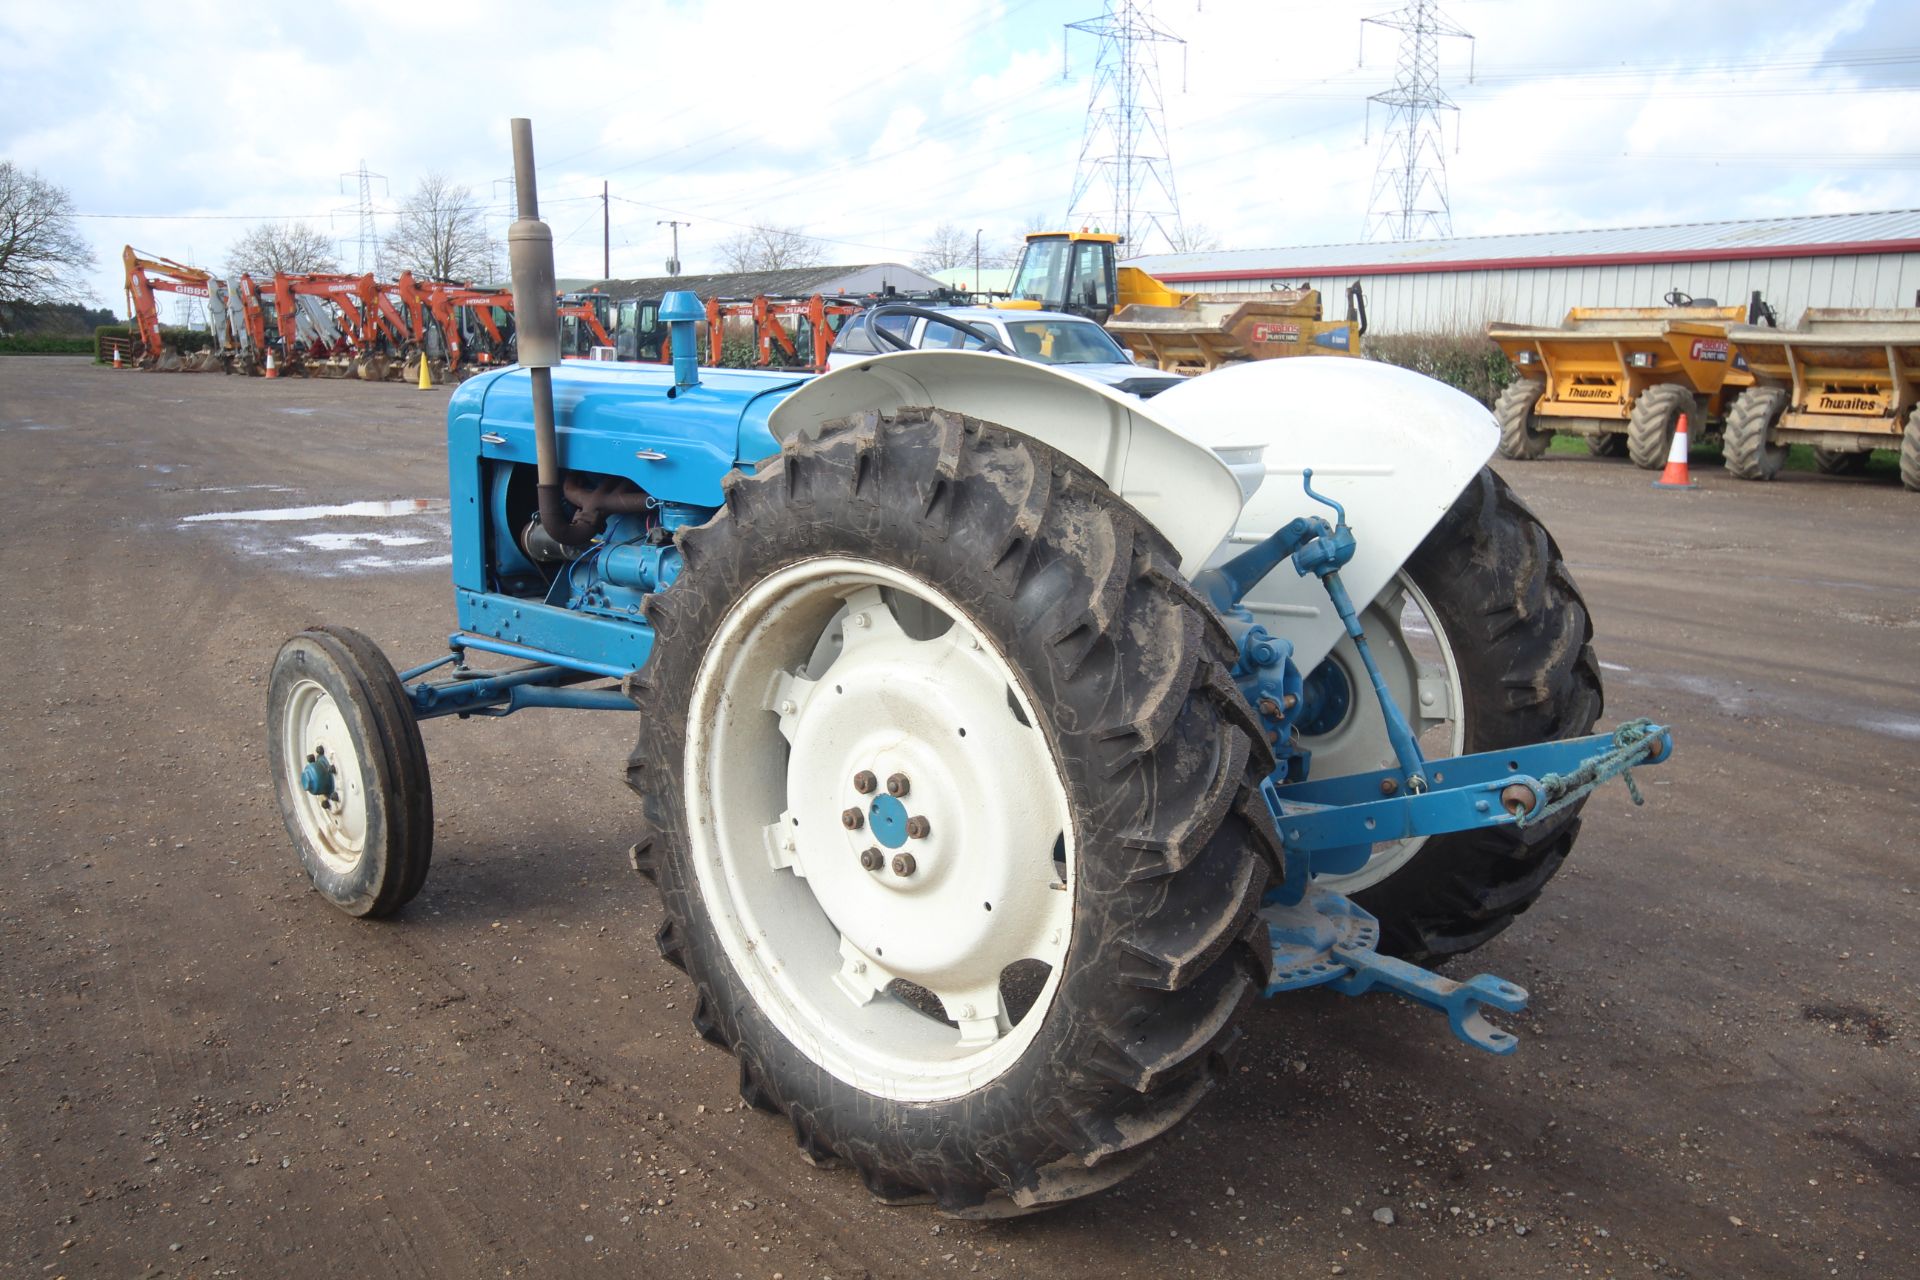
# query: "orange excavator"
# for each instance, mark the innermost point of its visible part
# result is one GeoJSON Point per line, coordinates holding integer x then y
{"type": "Point", "coordinates": [372, 337]}
{"type": "Point", "coordinates": [775, 347]}
{"type": "Point", "coordinates": [583, 322]}
{"type": "Point", "coordinates": [454, 324]}
{"type": "Point", "coordinates": [148, 276]}
{"type": "Point", "coordinates": [250, 334]}
{"type": "Point", "coordinates": [468, 325]}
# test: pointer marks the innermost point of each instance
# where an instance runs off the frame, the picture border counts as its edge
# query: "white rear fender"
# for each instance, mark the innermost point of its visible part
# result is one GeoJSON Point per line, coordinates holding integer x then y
{"type": "Point", "coordinates": [1393, 446]}
{"type": "Point", "coordinates": [1191, 490]}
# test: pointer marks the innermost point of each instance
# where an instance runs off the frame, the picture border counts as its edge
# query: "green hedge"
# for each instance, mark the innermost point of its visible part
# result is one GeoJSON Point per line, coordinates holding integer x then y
{"type": "Point", "coordinates": [45, 344]}
{"type": "Point", "coordinates": [1469, 362]}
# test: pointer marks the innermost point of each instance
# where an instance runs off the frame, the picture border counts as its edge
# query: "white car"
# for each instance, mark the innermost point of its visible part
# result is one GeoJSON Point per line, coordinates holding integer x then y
{"type": "Point", "coordinates": [1072, 343]}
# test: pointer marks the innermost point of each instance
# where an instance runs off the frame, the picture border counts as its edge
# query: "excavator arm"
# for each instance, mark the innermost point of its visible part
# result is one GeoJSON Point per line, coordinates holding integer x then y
{"type": "Point", "coordinates": [145, 277]}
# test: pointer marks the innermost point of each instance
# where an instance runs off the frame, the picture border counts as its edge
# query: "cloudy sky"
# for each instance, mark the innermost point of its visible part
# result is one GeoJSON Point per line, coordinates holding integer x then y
{"type": "Point", "coordinates": [866, 123]}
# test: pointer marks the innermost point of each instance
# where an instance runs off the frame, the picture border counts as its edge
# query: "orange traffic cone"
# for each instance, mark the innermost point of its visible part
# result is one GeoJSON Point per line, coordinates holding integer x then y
{"type": "Point", "coordinates": [116, 358]}
{"type": "Point", "coordinates": [272, 370]}
{"type": "Point", "coordinates": [1675, 476]}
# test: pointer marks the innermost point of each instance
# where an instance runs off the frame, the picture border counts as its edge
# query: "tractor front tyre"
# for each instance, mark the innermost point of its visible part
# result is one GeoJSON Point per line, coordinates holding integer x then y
{"type": "Point", "coordinates": [1747, 442]}
{"type": "Point", "coordinates": [1513, 411]}
{"type": "Point", "coordinates": [1514, 661]}
{"type": "Point", "coordinates": [1607, 444]}
{"type": "Point", "coordinates": [1910, 453]}
{"type": "Point", "coordinates": [1840, 462]}
{"type": "Point", "coordinates": [349, 771]}
{"type": "Point", "coordinates": [954, 811]}
{"type": "Point", "coordinates": [1655, 417]}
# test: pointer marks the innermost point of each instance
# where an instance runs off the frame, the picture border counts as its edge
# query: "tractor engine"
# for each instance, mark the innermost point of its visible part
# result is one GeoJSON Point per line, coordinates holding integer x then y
{"type": "Point", "coordinates": [624, 554]}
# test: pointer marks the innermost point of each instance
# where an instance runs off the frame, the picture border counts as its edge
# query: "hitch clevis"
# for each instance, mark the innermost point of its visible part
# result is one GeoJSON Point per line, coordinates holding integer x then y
{"type": "Point", "coordinates": [1330, 826]}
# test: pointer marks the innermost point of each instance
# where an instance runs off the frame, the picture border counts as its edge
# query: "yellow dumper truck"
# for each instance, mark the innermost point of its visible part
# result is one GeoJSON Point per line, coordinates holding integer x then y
{"type": "Point", "coordinates": [1845, 381]}
{"type": "Point", "coordinates": [1621, 377]}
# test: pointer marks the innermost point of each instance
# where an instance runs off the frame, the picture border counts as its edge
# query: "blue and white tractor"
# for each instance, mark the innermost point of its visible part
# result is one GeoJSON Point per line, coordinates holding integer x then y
{"type": "Point", "coordinates": [999, 735]}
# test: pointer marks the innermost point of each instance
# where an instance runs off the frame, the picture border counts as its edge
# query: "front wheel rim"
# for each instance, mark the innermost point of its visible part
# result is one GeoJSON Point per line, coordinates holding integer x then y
{"type": "Point", "coordinates": [892, 938]}
{"type": "Point", "coordinates": [315, 733]}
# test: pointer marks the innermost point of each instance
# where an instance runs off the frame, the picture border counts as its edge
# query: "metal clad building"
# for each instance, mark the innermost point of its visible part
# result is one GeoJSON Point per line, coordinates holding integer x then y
{"type": "Point", "coordinates": [1459, 285]}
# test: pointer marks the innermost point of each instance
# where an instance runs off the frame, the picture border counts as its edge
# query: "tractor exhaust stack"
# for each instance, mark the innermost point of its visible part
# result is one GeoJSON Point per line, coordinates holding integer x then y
{"type": "Point", "coordinates": [537, 324]}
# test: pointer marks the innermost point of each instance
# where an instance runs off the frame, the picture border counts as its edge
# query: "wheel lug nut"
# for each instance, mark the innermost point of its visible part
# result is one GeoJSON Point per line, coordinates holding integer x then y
{"type": "Point", "coordinates": [872, 860]}
{"type": "Point", "coordinates": [917, 828]}
{"type": "Point", "coordinates": [903, 864]}
{"type": "Point", "coordinates": [864, 782]}
{"type": "Point", "coordinates": [851, 819]}
{"type": "Point", "coordinates": [897, 784]}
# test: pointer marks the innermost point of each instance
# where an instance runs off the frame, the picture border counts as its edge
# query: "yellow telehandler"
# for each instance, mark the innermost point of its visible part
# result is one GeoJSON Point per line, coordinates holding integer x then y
{"type": "Point", "coordinates": [1078, 272]}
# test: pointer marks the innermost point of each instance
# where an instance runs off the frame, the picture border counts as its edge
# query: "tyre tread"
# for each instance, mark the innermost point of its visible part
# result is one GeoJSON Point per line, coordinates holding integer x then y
{"type": "Point", "coordinates": [1513, 411]}
{"type": "Point", "coordinates": [1539, 680]}
{"type": "Point", "coordinates": [1656, 414]}
{"type": "Point", "coordinates": [1747, 453]}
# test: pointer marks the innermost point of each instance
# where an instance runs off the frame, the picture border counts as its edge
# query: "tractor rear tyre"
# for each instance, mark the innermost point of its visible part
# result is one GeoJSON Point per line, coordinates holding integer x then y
{"type": "Point", "coordinates": [1840, 462]}
{"type": "Point", "coordinates": [1607, 444]}
{"type": "Point", "coordinates": [1656, 415]}
{"type": "Point", "coordinates": [349, 771]}
{"type": "Point", "coordinates": [953, 808]}
{"type": "Point", "coordinates": [1520, 437]}
{"type": "Point", "coordinates": [1514, 666]}
{"type": "Point", "coordinates": [1750, 455]}
{"type": "Point", "coordinates": [1910, 453]}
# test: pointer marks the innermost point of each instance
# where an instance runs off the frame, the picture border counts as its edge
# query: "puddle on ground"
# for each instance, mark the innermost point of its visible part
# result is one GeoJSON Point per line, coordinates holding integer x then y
{"type": "Point", "coordinates": [297, 411]}
{"type": "Point", "coordinates": [346, 510]}
{"type": "Point", "coordinates": [335, 540]}
{"type": "Point", "coordinates": [33, 426]}
{"type": "Point", "coordinates": [389, 562]}
{"type": "Point", "coordinates": [1731, 698]}
{"type": "Point", "coordinates": [355, 540]}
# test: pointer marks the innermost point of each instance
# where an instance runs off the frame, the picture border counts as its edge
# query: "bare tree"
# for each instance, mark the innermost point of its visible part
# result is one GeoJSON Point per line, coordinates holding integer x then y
{"type": "Point", "coordinates": [41, 254]}
{"type": "Point", "coordinates": [281, 246]}
{"type": "Point", "coordinates": [768, 248]}
{"type": "Point", "coordinates": [1193, 237]}
{"type": "Point", "coordinates": [441, 233]}
{"type": "Point", "coordinates": [948, 246]}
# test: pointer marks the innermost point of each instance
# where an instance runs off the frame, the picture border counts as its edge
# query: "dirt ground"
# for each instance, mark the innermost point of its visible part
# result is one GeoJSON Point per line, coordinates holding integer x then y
{"type": "Point", "coordinates": [207, 1071]}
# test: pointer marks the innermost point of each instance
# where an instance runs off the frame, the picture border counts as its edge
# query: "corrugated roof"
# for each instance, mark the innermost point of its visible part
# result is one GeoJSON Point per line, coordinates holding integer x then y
{"type": "Point", "coordinates": [789, 282]}
{"type": "Point", "coordinates": [1817, 235]}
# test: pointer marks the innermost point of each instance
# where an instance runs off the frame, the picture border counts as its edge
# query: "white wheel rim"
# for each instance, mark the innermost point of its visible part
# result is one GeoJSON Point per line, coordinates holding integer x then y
{"type": "Point", "coordinates": [1416, 657]}
{"type": "Point", "coordinates": [815, 676]}
{"type": "Point", "coordinates": [335, 824]}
